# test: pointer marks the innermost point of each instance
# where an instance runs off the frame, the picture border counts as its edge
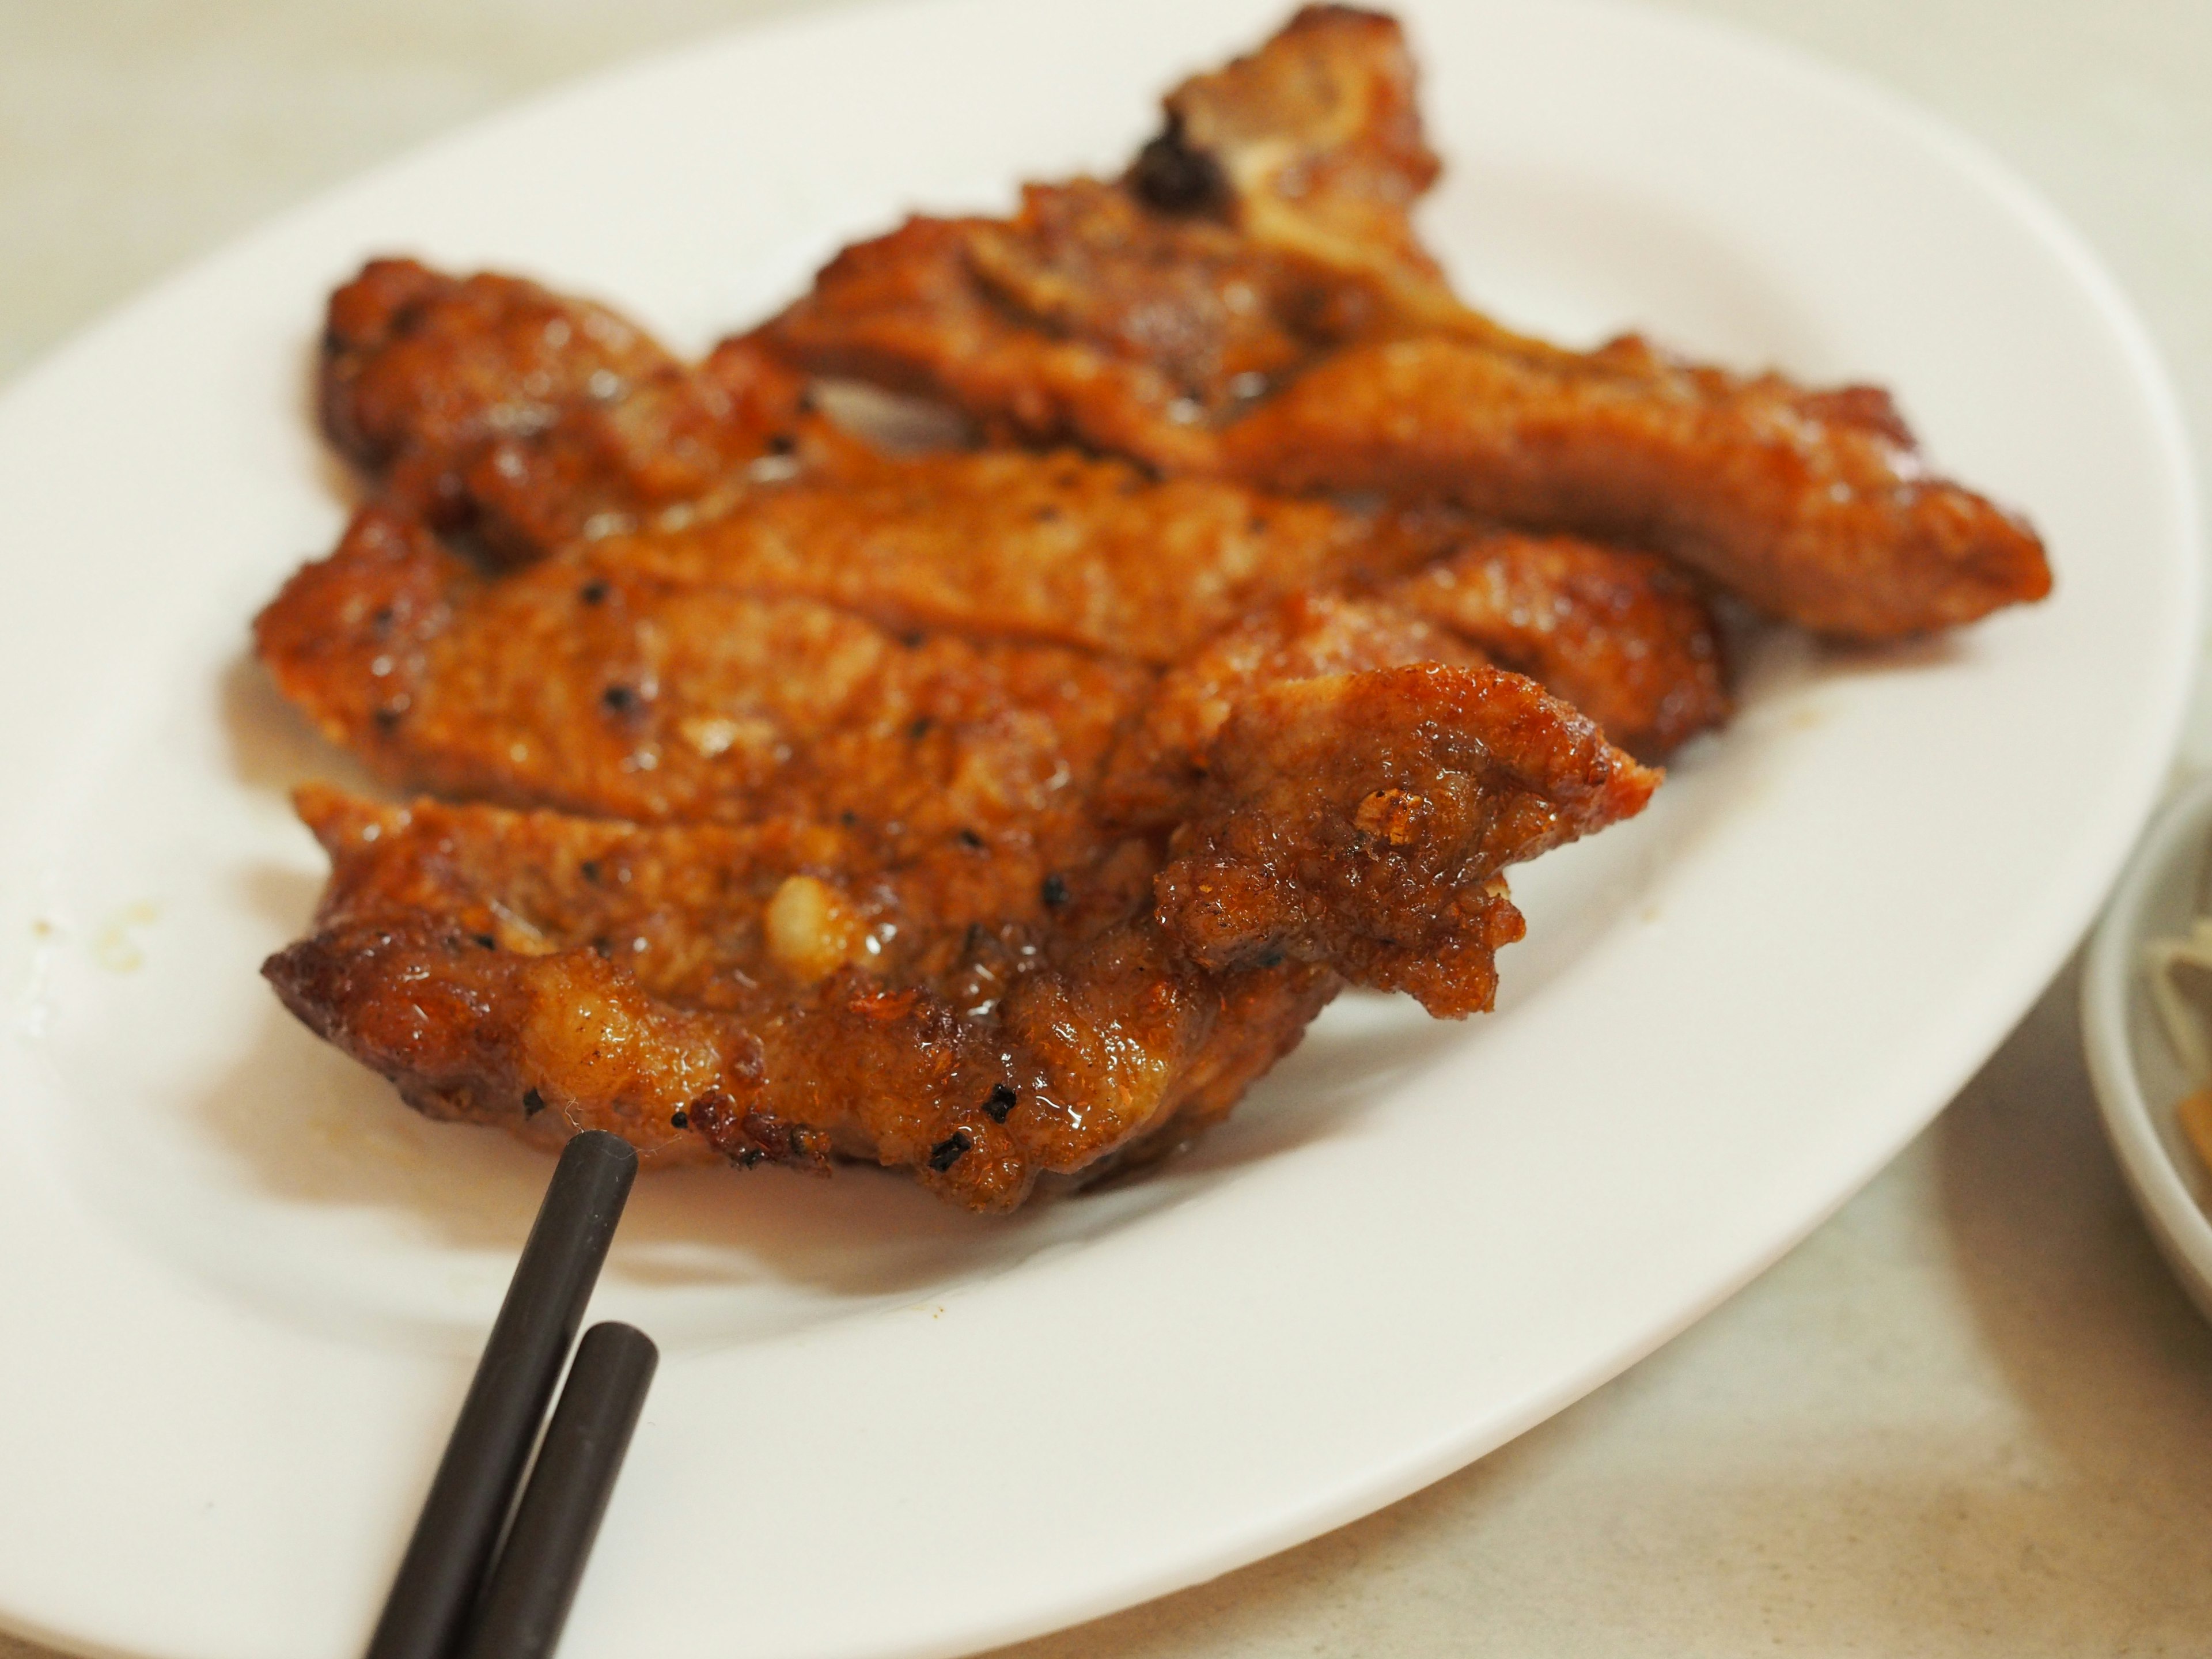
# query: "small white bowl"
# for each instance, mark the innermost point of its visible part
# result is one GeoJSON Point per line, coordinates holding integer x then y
{"type": "Point", "coordinates": [2133, 1068]}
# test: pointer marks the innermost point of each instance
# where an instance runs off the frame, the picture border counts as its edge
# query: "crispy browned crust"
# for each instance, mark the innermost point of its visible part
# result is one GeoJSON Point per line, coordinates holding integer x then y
{"type": "Point", "coordinates": [1249, 300]}
{"type": "Point", "coordinates": [1361, 820]}
{"type": "Point", "coordinates": [587, 683]}
{"type": "Point", "coordinates": [1814, 506]}
{"type": "Point", "coordinates": [1266, 227]}
{"type": "Point", "coordinates": [556, 974]}
{"type": "Point", "coordinates": [1056, 548]}
{"type": "Point", "coordinates": [463, 381]}
{"type": "Point", "coordinates": [1087, 317]}
{"type": "Point", "coordinates": [488, 406]}
{"type": "Point", "coordinates": [488, 961]}
{"type": "Point", "coordinates": [1621, 635]}
{"type": "Point", "coordinates": [930, 644]}
{"type": "Point", "coordinates": [1160, 761]}
{"type": "Point", "coordinates": [1310, 145]}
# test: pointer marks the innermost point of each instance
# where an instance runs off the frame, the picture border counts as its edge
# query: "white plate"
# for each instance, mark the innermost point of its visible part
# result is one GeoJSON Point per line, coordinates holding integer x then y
{"type": "Point", "coordinates": [242, 1286]}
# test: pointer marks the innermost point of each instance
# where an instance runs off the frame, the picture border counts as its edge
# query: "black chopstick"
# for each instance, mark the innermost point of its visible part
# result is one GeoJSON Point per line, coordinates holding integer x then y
{"type": "Point", "coordinates": [442, 1573]}
{"type": "Point", "coordinates": [539, 1566]}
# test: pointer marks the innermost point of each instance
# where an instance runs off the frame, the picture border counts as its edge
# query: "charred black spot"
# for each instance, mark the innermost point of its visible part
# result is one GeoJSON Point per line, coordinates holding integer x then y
{"type": "Point", "coordinates": [408, 317]}
{"type": "Point", "coordinates": [380, 619]}
{"type": "Point", "coordinates": [1171, 177]}
{"type": "Point", "coordinates": [589, 869]}
{"type": "Point", "coordinates": [948, 1151]}
{"type": "Point", "coordinates": [781, 443]}
{"type": "Point", "coordinates": [1001, 1101]}
{"type": "Point", "coordinates": [486, 941]}
{"type": "Point", "coordinates": [533, 1103]}
{"type": "Point", "coordinates": [676, 1120]}
{"type": "Point", "coordinates": [593, 592]}
{"type": "Point", "coordinates": [605, 946]}
{"type": "Point", "coordinates": [750, 1157]}
{"type": "Point", "coordinates": [1272, 959]}
{"type": "Point", "coordinates": [619, 698]}
{"type": "Point", "coordinates": [1054, 892]}
{"type": "Point", "coordinates": [969, 838]}
{"type": "Point", "coordinates": [387, 719]}
{"type": "Point", "coordinates": [920, 729]}
{"type": "Point", "coordinates": [848, 818]}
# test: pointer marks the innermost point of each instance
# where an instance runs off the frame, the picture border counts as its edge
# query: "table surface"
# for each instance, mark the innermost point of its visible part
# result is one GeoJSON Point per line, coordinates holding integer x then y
{"type": "Point", "coordinates": [1971, 1415]}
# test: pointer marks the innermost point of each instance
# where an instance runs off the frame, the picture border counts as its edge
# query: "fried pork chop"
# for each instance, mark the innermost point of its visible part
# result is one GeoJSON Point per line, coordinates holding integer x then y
{"type": "Point", "coordinates": [782, 991]}
{"type": "Point", "coordinates": [1249, 300]}
{"type": "Point", "coordinates": [1001, 814]}
{"type": "Point", "coordinates": [1005, 545]}
{"type": "Point", "coordinates": [1108, 892]}
{"type": "Point", "coordinates": [586, 683]}
{"type": "Point", "coordinates": [486, 405]}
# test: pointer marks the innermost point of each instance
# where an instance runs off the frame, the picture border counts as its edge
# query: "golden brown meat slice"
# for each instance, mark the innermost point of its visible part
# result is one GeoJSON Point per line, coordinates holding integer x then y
{"type": "Point", "coordinates": [1160, 761]}
{"type": "Point", "coordinates": [1447, 614]}
{"type": "Point", "coordinates": [1250, 302]}
{"type": "Point", "coordinates": [586, 683]}
{"type": "Point", "coordinates": [496, 965]}
{"type": "Point", "coordinates": [1088, 317]}
{"type": "Point", "coordinates": [1264, 227]}
{"type": "Point", "coordinates": [1814, 506]}
{"type": "Point", "coordinates": [1005, 544]}
{"type": "Point", "coordinates": [1059, 548]}
{"type": "Point", "coordinates": [884, 648]}
{"type": "Point", "coordinates": [490, 405]}
{"type": "Point", "coordinates": [1621, 635]}
{"type": "Point", "coordinates": [1311, 145]}
{"type": "Point", "coordinates": [1361, 820]}
{"type": "Point", "coordinates": [696, 986]}
{"type": "Point", "coordinates": [1066, 549]}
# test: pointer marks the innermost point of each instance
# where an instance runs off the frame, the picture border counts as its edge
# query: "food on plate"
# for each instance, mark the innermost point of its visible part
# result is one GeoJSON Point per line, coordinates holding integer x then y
{"type": "Point", "coordinates": [999, 808]}
{"type": "Point", "coordinates": [593, 685]}
{"type": "Point", "coordinates": [489, 407]}
{"type": "Point", "coordinates": [462, 383]}
{"type": "Point", "coordinates": [779, 990]}
{"type": "Point", "coordinates": [1623, 635]}
{"type": "Point", "coordinates": [603, 677]}
{"type": "Point", "coordinates": [1249, 301]}
{"type": "Point", "coordinates": [1265, 227]}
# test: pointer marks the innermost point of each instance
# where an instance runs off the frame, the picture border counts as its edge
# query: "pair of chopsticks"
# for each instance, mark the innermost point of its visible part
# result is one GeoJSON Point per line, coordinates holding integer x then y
{"type": "Point", "coordinates": [460, 1592]}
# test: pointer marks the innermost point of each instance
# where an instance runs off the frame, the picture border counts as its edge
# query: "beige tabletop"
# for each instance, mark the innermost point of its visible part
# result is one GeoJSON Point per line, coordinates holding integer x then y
{"type": "Point", "coordinates": [1971, 1415]}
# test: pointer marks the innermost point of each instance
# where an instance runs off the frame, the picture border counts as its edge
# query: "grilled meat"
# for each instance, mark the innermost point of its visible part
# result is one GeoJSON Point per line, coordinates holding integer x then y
{"type": "Point", "coordinates": [1001, 814]}
{"type": "Point", "coordinates": [490, 406]}
{"type": "Point", "coordinates": [1249, 301]}
{"type": "Point", "coordinates": [780, 991]}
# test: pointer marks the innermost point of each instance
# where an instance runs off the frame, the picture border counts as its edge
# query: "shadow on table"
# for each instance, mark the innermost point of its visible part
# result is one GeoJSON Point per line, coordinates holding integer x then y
{"type": "Point", "coordinates": [2073, 1299]}
{"type": "Point", "coordinates": [2055, 1501]}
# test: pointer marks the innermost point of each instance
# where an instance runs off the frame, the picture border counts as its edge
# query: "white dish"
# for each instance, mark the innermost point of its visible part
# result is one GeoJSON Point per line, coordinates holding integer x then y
{"type": "Point", "coordinates": [243, 1285]}
{"type": "Point", "coordinates": [2137, 1077]}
